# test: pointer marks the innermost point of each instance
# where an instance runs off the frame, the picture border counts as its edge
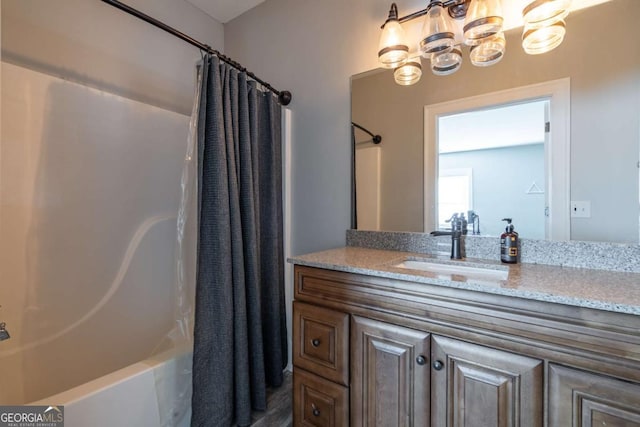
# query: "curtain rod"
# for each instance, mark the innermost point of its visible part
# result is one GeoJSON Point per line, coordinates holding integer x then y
{"type": "Point", "coordinates": [284, 97]}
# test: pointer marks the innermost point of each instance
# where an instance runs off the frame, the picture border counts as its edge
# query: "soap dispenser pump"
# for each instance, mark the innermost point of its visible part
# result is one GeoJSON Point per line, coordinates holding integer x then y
{"type": "Point", "coordinates": [509, 244]}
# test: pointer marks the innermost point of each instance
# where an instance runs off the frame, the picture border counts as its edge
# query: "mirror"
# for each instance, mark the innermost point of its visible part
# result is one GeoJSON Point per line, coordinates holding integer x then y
{"type": "Point", "coordinates": [598, 58]}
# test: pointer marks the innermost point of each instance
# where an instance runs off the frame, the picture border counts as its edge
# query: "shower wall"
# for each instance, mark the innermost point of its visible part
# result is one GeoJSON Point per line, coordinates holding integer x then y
{"type": "Point", "coordinates": [90, 42]}
{"type": "Point", "coordinates": [89, 192]}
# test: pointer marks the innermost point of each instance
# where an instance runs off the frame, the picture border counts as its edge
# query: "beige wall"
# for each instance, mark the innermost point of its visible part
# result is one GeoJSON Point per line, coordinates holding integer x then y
{"type": "Point", "coordinates": [96, 44]}
{"type": "Point", "coordinates": [312, 48]}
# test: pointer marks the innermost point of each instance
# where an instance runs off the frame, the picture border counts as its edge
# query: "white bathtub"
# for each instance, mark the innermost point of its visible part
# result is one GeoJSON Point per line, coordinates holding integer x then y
{"type": "Point", "coordinates": [150, 393]}
{"type": "Point", "coordinates": [88, 289]}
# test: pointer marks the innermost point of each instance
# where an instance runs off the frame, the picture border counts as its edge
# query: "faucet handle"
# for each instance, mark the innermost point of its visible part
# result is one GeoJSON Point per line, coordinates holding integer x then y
{"type": "Point", "coordinates": [453, 219]}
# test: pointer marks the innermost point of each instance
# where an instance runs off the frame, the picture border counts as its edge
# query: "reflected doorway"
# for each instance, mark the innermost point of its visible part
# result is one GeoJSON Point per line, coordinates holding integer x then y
{"type": "Point", "coordinates": [491, 162]}
{"type": "Point", "coordinates": [497, 128]}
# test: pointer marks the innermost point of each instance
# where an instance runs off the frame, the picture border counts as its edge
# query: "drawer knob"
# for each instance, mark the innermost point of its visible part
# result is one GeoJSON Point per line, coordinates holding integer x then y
{"type": "Point", "coordinates": [315, 411]}
{"type": "Point", "coordinates": [315, 342]}
{"type": "Point", "coordinates": [438, 365]}
{"type": "Point", "coordinates": [421, 360]}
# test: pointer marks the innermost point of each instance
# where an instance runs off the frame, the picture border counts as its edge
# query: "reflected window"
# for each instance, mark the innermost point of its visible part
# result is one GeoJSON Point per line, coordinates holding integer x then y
{"type": "Point", "coordinates": [455, 193]}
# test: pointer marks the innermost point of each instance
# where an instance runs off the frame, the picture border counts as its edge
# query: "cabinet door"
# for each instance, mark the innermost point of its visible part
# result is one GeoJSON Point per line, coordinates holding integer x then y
{"type": "Point", "coordinates": [580, 399]}
{"type": "Point", "coordinates": [389, 375]}
{"type": "Point", "coordinates": [476, 386]}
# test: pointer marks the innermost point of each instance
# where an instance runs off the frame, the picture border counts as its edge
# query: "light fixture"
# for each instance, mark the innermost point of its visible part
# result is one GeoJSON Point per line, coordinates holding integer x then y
{"type": "Point", "coordinates": [437, 33]}
{"type": "Point", "coordinates": [392, 49]}
{"type": "Point", "coordinates": [544, 26]}
{"type": "Point", "coordinates": [445, 63]}
{"type": "Point", "coordinates": [539, 12]}
{"type": "Point", "coordinates": [482, 31]}
{"type": "Point", "coordinates": [409, 72]}
{"type": "Point", "coordinates": [538, 40]}
{"type": "Point", "coordinates": [484, 19]}
{"type": "Point", "coordinates": [489, 52]}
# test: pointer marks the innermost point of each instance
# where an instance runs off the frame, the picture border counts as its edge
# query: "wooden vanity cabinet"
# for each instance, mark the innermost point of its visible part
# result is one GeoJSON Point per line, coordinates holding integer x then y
{"type": "Point", "coordinates": [405, 354]}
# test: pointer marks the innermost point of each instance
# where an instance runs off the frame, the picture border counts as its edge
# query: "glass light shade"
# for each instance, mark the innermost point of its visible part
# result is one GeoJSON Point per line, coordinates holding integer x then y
{"type": "Point", "coordinates": [445, 63]}
{"type": "Point", "coordinates": [537, 40]}
{"type": "Point", "coordinates": [409, 73]}
{"type": "Point", "coordinates": [484, 19]}
{"type": "Point", "coordinates": [489, 52]}
{"type": "Point", "coordinates": [437, 32]}
{"type": "Point", "coordinates": [392, 49]}
{"type": "Point", "coordinates": [544, 12]}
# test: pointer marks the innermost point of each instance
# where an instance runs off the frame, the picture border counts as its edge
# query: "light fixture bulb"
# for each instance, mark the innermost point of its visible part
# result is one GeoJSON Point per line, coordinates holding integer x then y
{"type": "Point", "coordinates": [445, 63]}
{"type": "Point", "coordinates": [489, 52]}
{"type": "Point", "coordinates": [537, 40]}
{"type": "Point", "coordinates": [437, 32]}
{"type": "Point", "coordinates": [408, 73]}
{"type": "Point", "coordinates": [393, 50]}
{"type": "Point", "coordinates": [484, 19]}
{"type": "Point", "coordinates": [545, 12]}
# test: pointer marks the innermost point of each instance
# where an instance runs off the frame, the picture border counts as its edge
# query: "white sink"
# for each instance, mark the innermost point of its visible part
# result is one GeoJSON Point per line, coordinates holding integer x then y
{"type": "Point", "coordinates": [450, 270]}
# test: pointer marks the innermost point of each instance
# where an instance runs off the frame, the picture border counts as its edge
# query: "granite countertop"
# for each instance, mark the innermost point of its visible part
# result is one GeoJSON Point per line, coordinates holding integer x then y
{"type": "Point", "coordinates": [598, 289]}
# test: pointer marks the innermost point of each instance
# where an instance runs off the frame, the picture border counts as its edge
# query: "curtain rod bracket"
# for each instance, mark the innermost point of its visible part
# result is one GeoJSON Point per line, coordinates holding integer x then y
{"type": "Point", "coordinates": [376, 139]}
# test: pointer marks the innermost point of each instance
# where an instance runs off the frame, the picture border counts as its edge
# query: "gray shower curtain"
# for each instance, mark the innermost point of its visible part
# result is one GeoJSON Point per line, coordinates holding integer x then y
{"type": "Point", "coordinates": [240, 344]}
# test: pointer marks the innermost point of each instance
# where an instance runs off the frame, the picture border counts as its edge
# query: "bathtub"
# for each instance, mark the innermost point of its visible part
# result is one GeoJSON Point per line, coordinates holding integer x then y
{"type": "Point", "coordinates": [151, 393]}
{"type": "Point", "coordinates": [88, 241]}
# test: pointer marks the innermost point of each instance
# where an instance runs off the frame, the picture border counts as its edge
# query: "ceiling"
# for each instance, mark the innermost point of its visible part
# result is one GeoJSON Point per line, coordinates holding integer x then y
{"type": "Point", "coordinates": [224, 11]}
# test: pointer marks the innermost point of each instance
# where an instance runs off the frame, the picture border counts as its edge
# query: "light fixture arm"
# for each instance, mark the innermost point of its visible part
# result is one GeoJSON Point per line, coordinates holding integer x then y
{"type": "Point", "coordinates": [393, 14]}
{"type": "Point", "coordinates": [457, 9]}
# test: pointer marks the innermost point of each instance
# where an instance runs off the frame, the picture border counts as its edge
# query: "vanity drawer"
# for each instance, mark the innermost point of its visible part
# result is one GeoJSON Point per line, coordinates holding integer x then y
{"type": "Point", "coordinates": [318, 402]}
{"type": "Point", "coordinates": [321, 343]}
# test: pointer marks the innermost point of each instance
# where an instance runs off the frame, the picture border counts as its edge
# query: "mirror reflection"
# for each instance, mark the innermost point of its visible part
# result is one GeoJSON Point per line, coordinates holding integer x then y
{"type": "Point", "coordinates": [472, 146]}
{"type": "Point", "coordinates": [491, 160]}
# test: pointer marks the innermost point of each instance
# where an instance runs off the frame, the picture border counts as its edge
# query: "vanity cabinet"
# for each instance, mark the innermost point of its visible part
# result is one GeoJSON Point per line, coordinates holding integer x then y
{"type": "Point", "coordinates": [374, 351]}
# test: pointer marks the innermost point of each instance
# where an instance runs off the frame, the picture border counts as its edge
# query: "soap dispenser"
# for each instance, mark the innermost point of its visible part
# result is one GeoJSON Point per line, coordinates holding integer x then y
{"type": "Point", "coordinates": [509, 244]}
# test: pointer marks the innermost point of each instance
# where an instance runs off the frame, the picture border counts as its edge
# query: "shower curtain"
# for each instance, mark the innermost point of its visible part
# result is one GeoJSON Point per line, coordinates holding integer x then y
{"type": "Point", "coordinates": [240, 343]}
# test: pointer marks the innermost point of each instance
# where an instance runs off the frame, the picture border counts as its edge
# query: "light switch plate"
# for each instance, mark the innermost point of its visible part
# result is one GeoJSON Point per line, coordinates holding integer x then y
{"type": "Point", "coordinates": [581, 209]}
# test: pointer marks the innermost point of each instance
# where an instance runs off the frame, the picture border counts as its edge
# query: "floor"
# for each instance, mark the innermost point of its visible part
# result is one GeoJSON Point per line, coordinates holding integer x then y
{"type": "Point", "coordinates": [280, 409]}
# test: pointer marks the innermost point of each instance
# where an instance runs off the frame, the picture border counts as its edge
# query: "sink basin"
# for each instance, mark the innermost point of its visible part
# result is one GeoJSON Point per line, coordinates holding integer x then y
{"type": "Point", "coordinates": [458, 271]}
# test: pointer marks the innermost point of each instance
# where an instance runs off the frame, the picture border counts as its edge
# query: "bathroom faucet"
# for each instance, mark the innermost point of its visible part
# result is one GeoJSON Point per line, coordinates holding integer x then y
{"type": "Point", "coordinates": [458, 228]}
{"type": "Point", "coordinates": [474, 219]}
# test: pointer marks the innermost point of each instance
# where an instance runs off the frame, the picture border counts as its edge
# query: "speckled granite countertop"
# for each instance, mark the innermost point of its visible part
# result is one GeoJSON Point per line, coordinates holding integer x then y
{"type": "Point", "coordinates": [598, 289]}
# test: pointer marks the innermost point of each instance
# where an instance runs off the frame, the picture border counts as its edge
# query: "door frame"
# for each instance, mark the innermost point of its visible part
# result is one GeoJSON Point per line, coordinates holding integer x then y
{"type": "Point", "coordinates": [557, 154]}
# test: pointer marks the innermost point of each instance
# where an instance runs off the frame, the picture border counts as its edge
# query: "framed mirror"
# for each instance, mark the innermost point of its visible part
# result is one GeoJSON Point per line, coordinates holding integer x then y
{"type": "Point", "coordinates": [397, 180]}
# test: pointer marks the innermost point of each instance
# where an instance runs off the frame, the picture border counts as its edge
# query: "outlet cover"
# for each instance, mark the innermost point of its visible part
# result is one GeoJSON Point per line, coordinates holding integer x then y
{"type": "Point", "coordinates": [581, 209]}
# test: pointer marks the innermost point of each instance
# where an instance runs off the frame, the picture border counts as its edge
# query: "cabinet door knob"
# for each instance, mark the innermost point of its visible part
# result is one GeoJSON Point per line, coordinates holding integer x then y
{"type": "Point", "coordinates": [438, 365]}
{"type": "Point", "coordinates": [315, 411]}
{"type": "Point", "coordinates": [315, 342]}
{"type": "Point", "coordinates": [421, 360]}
